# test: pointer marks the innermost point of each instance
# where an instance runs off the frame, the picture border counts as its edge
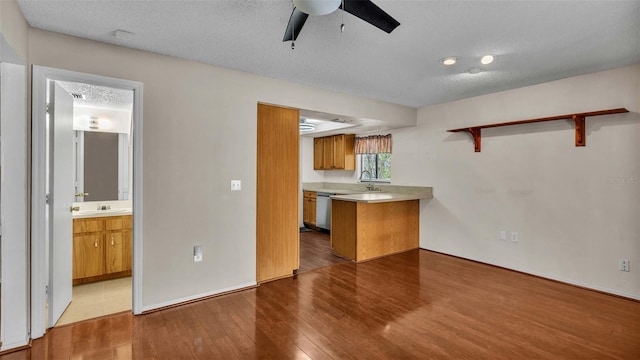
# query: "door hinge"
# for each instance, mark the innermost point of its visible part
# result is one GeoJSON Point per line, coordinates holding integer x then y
{"type": "Point", "coordinates": [46, 199]}
{"type": "Point", "coordinates": [47, 108]}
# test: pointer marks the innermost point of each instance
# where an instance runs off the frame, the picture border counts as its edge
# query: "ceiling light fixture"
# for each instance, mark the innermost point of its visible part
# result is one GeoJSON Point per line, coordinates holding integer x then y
{"type": "Point", "coordinates": [487, 59]}
{"type": "Point", "coordinates": [317, 7]}
{"type": "Point", "coordinates": [94, 123]}
{"type": "Point", "coordinates": [449, 60]}
{"type": "Point", "coordinates": [305, 126]}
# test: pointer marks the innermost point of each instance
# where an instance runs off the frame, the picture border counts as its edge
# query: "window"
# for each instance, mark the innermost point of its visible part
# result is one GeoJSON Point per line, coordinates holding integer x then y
{"type": "Point", "coordinates": [375, 167]}
{"type": "Point", "coordinates": [374, 156]}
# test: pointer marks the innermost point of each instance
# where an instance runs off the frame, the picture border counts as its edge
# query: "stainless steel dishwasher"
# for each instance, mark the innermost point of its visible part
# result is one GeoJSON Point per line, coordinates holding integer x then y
{"type": "Point", "coordinates": [323, 210]}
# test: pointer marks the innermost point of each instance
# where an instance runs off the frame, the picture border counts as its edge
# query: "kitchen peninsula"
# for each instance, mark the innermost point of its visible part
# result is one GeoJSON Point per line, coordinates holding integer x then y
{"type": "Point", "coordinates": [369, 224]}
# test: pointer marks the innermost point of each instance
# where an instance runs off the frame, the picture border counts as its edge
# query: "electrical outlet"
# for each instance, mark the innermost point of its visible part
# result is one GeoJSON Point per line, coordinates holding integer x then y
{"type": "Point", "coordinates": [502, 235]}
{"type": "Point", "coordinates": [623, 265]}
{"type": "Point", "coordinates": [236, 185]}
{"type": "Point", "coordinates": [197, 253]}
{"type": "Point", "coordinates": [514, 236]}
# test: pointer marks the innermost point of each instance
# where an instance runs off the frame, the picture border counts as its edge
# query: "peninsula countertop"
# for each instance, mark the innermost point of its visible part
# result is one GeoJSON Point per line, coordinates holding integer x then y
{"type": "Point", "coordinates": [358, 192]}
{"type": "Point", "coordinates": [377, 197]}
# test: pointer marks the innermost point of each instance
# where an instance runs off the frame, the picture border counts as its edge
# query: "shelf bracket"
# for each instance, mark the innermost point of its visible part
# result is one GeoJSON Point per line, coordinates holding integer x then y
{"type": "Point", "coordinates": [580, 129]}
{"type": "Point", "coordinates": [476, 134]}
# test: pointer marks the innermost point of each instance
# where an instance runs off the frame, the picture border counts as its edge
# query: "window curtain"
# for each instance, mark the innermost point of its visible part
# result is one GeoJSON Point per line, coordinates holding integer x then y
{"type": "Point", "coordinates": [374, 144]}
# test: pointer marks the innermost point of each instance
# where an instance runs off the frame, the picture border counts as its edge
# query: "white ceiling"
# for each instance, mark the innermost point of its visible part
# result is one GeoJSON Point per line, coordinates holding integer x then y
{"type": "Point", "coordinates": [535, 41]}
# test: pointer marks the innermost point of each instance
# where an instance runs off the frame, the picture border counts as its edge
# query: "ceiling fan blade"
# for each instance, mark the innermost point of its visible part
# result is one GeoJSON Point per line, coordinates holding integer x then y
{"type": "Point", "coordinates": [371, 13]}
{"type": "Point", "coordinates": [296, 22]}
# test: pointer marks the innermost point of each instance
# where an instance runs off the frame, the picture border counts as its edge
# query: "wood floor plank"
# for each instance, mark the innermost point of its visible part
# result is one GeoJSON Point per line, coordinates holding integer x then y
{"type": "Point", "coordinates": [413, 305]}
{"type": "Point", "coordinates": [315, 251]}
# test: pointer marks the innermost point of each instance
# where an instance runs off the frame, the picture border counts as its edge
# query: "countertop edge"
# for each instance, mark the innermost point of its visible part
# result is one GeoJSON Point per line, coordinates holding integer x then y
{"type": "Point", "coordinates": [87, 216]}
{"type": "Point", "coordinates": [380, 197]}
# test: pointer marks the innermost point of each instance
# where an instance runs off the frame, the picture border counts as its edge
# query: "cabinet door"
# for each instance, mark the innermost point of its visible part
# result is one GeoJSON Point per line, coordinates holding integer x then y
{"type": "Point", "coordinates": [312, 212]}
{"type": "Point", "coordinates": [118, 251]}
{"type": "Point", "coordinates": [306, 213]}
{"type": "Point", "coordinates": [309, 211]}
{"type": "Point", "coordinates": [88, 255]}
{"type": "Point", "coordinates": [338, 152]}
{"type": "Point", "coordinates": [327, 152]}
{"type": "Point", "coordinates": [318, 148]}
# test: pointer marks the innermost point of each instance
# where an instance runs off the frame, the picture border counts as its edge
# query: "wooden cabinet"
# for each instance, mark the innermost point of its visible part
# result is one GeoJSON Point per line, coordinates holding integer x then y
{"type": "Point", "coordinates": [118, 244]}
{"type": "Point", "coordinates": [335, 152]}
{"type": "Point", "coordinates": [363, 231]}
{"type": "Point", "coordinates": [309, 208]}
{"type": "Point", "coordinates": [102, 248]}
{"type": "Point", "coordinates": [88, 255]}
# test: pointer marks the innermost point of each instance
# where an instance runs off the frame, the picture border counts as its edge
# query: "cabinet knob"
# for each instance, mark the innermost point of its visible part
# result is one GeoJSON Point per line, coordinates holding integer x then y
{"type": "Point", "coordinates": [112, 242]}
{"type": "Point", "coordinates": [95, 243]}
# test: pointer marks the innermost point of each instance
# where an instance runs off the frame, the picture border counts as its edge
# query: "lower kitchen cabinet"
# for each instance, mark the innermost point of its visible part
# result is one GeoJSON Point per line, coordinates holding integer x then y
{"type": "Point", "coordinates": [309, 208]}
{"type": "Point", "coordinates": [102, 248]}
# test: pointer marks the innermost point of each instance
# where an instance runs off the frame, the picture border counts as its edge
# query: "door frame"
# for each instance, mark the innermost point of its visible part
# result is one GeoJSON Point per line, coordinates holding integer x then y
{"type": "Point", "coordinates": [39, 221]}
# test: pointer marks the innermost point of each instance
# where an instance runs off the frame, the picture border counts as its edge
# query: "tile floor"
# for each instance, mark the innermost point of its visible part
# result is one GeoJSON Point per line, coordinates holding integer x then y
{"type": "Point", "coordinates": [98, 299]}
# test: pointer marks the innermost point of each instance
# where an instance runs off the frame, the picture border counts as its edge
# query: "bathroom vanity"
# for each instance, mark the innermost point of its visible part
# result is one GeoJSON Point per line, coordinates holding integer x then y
{"type": "Point", "coordinates": [102, 246]}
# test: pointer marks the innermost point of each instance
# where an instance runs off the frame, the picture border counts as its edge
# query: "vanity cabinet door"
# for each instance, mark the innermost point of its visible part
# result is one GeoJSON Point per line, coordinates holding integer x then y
{"type": "Point", "coordinates": [88, 255]}
{"type": "Point", "coordinates": [118, 243]}
{"type": "Point", "coordinates": [118, 251]}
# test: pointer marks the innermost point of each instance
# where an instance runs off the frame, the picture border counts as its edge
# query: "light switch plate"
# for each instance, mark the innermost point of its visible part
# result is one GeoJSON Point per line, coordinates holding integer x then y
{"type": "Point", "coordinates": [236, 185]}
{"type": "Point", "coordinates": [502, 235]}
{"type": "Point", "coordinates": [514, 236]}
{"type": "Point", "coordinates": [197, 253]}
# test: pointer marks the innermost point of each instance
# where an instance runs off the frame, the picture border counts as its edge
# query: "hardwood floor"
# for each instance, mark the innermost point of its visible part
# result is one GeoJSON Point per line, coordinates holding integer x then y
{"type": "Point", "coordinates": [315, 251]}
{"type": "Point", "coordinates": [418, 304]}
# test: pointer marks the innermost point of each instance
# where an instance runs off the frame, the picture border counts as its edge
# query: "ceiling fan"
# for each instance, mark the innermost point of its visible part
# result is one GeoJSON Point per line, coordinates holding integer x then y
{"type": "Point", "coordinates": [364, 9]}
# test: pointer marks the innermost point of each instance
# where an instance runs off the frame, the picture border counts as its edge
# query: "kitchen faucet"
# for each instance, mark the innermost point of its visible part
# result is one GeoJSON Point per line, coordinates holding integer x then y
{"type": "Point", "coordinates": [370, 186]}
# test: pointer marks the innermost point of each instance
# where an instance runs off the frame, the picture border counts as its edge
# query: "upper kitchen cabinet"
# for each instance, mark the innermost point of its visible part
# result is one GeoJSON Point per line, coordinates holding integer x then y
{"type": "Point", "coordinates": [335, 152]}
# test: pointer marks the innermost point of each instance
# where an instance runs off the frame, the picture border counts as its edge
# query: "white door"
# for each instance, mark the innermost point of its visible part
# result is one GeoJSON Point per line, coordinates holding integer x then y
{"type": "Point", "coordinates": [60, 200]}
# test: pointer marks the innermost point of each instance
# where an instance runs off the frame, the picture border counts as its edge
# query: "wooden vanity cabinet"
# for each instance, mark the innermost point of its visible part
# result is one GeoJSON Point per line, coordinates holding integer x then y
{"type": "Point", "coordinates": [88, 255]}
{"type": "Point", "coordinates": [102, 248]}
{"type": "Point", "coordinates": [118, 244]}
{"type": "Point", "coordinates": [335, 152]}
{"type": "Point", "coordinates": [309, 208]}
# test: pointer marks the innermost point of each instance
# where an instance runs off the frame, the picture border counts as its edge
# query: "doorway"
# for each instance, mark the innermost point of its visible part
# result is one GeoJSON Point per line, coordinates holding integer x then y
{"type": "Point", "coordinates": [59, 193]}
{"type": "Point", "coordinates": [102, 226]}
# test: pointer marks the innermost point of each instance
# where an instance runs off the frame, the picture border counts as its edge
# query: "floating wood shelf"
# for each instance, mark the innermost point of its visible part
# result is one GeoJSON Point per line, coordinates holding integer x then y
{"type": "Point", "coordinates": [578, 119]}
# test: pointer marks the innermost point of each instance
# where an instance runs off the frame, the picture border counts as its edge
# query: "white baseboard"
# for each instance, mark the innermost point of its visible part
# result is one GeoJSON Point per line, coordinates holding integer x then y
{"type": "Point", "coordinates": [187, 299]}
{"type": "Point", "coordinates": [13, 345]}
{"type": "Point", "coordinates": [550, 277]}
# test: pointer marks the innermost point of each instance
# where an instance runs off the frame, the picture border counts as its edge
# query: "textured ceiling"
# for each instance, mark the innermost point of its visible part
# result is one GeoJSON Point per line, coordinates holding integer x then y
{"type": "Point", "coordinates": [99, 96]}
{"type": "Point", "coordinates": [536, 41]}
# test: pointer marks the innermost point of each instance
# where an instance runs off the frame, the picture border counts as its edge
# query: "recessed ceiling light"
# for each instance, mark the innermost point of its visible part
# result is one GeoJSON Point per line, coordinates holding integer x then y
{"type": "Point", "coordinates": [487, 59]}
{"type": "Point", "coordinates": [449, 60]}
{"type": "Point", "coordinates": [474, 70]}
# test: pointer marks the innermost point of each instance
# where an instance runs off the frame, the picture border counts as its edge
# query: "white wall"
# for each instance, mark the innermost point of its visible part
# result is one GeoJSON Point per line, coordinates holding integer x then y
{"type": "Point", "coordinates": [14, 128]}
{"type": "Point", "coordinates": [576, 209]}
{"type": "Point", "coordinates": [199, 133]}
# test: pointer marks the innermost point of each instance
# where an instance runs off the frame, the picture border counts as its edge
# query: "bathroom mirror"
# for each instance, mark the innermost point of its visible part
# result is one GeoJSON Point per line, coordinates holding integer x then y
{"type": "Point", "coordinates": [102, 166]}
